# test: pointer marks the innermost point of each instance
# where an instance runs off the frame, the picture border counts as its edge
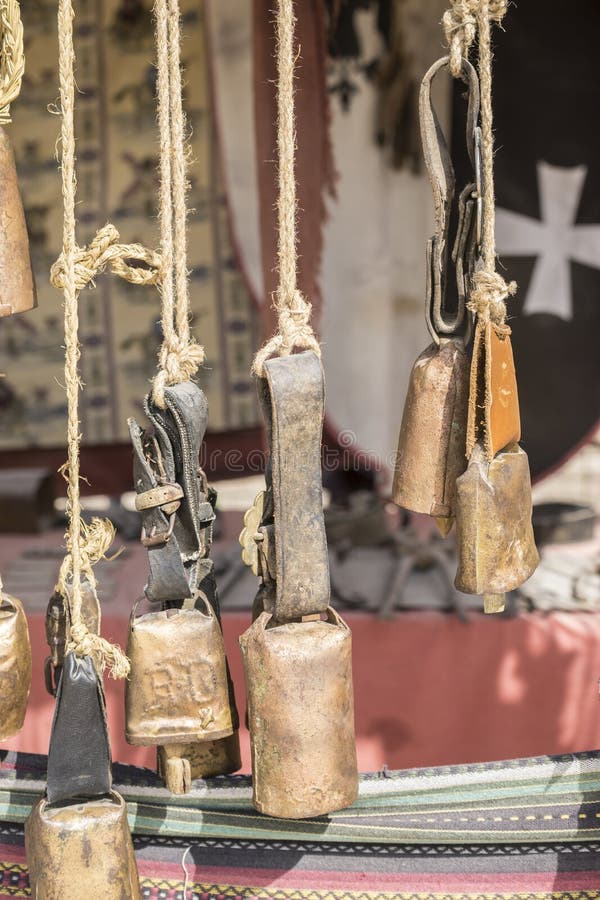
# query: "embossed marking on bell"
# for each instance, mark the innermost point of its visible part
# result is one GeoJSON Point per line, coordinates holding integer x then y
{"type": "Point", "coordinates": [301, 716]}
{"type": "Point", "coordinates": [17, 287]}
{"type": "Point", "coordinates": [431, 449]}
{"type": "Point", "coordinates": [81, 850]}
{"type": "Point", "coordinates": [494, 535]}
{"type": "Point", "coordinates": [15, 666]}
{"type": "Point", "coordinates": [178, 688]}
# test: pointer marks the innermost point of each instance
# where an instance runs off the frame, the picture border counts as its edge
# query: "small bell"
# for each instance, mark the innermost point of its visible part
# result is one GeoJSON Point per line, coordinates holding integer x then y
{"type": "Point", "coordinates": [431, 449]}
{"type": "Point", "coordinates": [178, 690]}
{"type": "Point", "coordinates": [17, 289]}
{"type": "Point", "coordinates": [15, 666]}
{"type": "Point", "coordinates": [77, 837]}
{"type": "Point", "coordinates": [301, 715]}
{"type": "Point", "coordinates": [494, 534]}
{"type": "Point", "coordinates": [82, 849]}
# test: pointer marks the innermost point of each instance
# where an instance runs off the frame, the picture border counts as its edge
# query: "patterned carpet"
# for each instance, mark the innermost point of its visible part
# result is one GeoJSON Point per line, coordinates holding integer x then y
{"type": "Point", "coordinates": [518, 829]}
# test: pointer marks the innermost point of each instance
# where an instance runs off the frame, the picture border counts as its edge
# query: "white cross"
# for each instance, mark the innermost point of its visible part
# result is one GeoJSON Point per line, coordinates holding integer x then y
{"type": "Point", "coordinates": [554, 239]}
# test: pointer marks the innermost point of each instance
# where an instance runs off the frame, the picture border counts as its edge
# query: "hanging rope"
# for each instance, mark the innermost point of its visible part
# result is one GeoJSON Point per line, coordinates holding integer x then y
{"type": "Point", "coordinates": [489, 291]}
{"type": "Point", "coordinates": [180, 355]}
{"type": "Point", "coordinates": [12, 58]}
{"type": "Point", "coordinates": [293, 311]}
{"type": "Point", "coordinates": [84, 545]}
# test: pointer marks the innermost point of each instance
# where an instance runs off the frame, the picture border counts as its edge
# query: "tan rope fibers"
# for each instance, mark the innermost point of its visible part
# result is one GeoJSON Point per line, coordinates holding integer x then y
{"type": "Point", "coordinates": [85, 545]}
{"type": "Point", "coordinates": [12, 59]}
{"type": "Point", "coordinates": [179, 355]}
{"type": "Point", "coordinates": [294, 329]}
{"type": "Point", "coordinates": [461, 22]}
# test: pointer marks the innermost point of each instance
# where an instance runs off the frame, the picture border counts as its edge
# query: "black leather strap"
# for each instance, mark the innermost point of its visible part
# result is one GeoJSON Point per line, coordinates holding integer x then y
{"type": "Point", "coordinates": [178, 535]}
{"type": "Point", "coordinates": [79, 762]}
{"type": "Point", "coordinates": [294, 545]}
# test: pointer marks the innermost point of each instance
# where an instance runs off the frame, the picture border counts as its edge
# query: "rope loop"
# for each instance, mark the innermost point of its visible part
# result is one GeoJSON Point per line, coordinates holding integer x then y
{"type": "Point", "coordinates": [12, 58]}
{"type": "Point", "coordinates": [460, 27]}
{"type": "Point", "coordinates": [105, 250]}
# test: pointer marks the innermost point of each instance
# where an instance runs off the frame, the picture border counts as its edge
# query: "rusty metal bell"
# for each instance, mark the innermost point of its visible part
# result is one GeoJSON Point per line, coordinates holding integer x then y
{"type": "Point", "coordinates": [494, 534]}
{"type": "Point", "coordinates": [82, 849]}
{"type": "Point", "coordinates": [178, 690]}
{"type": "Point", "coordinates": [431, 448]}
{"type": "Point", "coordinates": [15, 666]}
{"type": "Point", "coordinates": [17, 287]}
{"type": "Point", "coordinates": [301, 715]}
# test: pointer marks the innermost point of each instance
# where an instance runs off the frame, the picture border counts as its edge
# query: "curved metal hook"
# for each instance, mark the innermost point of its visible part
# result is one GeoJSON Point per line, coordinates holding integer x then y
{"type": "Point", "coordinates": [443, 183]}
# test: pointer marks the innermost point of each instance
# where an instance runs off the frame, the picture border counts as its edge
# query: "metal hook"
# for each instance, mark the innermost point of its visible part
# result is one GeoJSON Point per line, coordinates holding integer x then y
{"type": "Point", "coordinates": [442, 178]}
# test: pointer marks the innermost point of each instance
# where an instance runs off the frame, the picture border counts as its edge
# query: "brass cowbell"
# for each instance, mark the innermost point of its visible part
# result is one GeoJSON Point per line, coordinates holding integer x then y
{"type": "Point", "coordinates": [494, 534]}
{"type": "Point", "coordinates": [77, 837]}
{"type": "Point", "coordinates": [17, 287]}
{"type": "Point", "coordinates": [297, 652]}
{"type": "Point", "coordinates": [434, 423]}
{"type": "Point", "coordinates": [178, 687]}
{"type": "Point", "coordinates": [15, 666]}
{"type": "Point", "coordinates": [81, 849]}
{"type": "Point", "coordinates": [433, 432]}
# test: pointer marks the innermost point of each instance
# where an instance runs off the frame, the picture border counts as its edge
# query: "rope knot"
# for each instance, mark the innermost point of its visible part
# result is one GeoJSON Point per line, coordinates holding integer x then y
{"type": "Point", "coordinates": [489, 292]}
{"type": "Point", "coordinates": [105, 250]}
{"type": "Point", "coordinates": [179, 360]}
{"type": "Point", "coordinates": [84, 642]}
{"type": "Point", "coordinates": [294, 331]}
{"type": "Point", "coordinates": [460, 27]}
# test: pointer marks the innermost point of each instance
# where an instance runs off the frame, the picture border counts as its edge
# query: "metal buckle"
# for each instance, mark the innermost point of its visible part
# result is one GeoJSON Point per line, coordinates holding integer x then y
{"type": "Point", "coordinates": [156, 538]}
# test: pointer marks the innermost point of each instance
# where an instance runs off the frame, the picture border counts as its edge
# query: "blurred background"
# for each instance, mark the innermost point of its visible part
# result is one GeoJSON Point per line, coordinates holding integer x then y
{"type": "Point", "coordinates": [436, 682]}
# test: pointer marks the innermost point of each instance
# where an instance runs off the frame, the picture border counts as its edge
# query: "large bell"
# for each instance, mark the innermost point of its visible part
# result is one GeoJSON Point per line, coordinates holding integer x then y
{"type": "Point", "coordinates": [494, 534]}
{"type": "Point", "coordinates": [15, 666]}
{"type": "Point", "coordinates": [82, 849]}
{"type": "Point", "coordinates": [431, 449]}
{"type": "Point", "coordinates": [301, 715]}
{"type": "Point", "coordinates": [17, 286]}
{"type": "Point", "coordinates": [178, 690]}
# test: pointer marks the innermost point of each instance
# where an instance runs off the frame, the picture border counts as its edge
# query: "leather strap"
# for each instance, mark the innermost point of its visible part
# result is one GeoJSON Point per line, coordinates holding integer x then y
{"type": "Point", "coordinates": [176, 504]}
{"type": "Point", "coordinates": [443, 183]}
{"type": "Point", "coordinates": [79, 762]}
{"type": "Point", "coordinates": [292, 397]}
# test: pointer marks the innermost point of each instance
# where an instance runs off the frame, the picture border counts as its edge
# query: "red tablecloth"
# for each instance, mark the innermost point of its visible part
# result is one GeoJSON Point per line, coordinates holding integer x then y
{"type": "Point", "coordinates": [429, 689]}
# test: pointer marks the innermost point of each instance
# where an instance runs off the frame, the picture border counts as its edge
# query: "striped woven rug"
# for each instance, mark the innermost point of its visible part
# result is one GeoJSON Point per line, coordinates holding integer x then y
{"type": "Point", "coordinates": [519, 829]}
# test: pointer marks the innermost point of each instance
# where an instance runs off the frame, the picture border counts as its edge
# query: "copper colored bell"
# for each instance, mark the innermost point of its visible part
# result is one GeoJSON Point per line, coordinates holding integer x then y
{"type": "Point", "coordinates": [431, 449]}
{"type": "Point", "coordinates": [494, 535]}
{"type": "Point", "coordinates": [178, 690]}
{"type": "Point", "coordinates": [17, 287]}
{"type": "Point", "coordinates": [81, 850]}
{"type": "Point", "coordinates": [15, 666]}
{"type": "Point", "coordinates": [301, 715]}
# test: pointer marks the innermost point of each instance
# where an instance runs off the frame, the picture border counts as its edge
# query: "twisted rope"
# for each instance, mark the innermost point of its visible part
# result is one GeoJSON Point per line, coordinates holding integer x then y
{"type": "Point", "coordinates": [82, 544]}
{"type": "Point", "coordinates": [293, 311]}
{"type": "Point", "coordinates": [180, 356]}
{"type": "Point", "coordinates": [489, 290]}
{"type": "Point", "coordinates": [12, 58]}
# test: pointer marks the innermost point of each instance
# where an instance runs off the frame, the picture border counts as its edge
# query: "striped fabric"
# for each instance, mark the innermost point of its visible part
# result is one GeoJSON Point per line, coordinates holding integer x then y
{"type": "Point", "coordinates": [519, 829]}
